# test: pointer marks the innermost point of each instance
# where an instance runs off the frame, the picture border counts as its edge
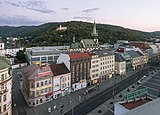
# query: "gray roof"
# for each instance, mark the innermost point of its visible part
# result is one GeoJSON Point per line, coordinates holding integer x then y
{"type": "Point", "coordinates": [102, 53]}
{"type": "Point", "coordinates": [76, 45]}
{"type": "Point", "coordinates": [40, 53]}
{"type": "Point", "coordinates": [133, 53]}
{"type": "Point", "coordinates": [150, 108]}
{"type": "Point", "coordinates": [119, 58]}
{"type": "Point", "coordinates": [89, 43]}
{"type": "Point", "coordinates": [4, 63]}
{"type": "Point", "coordinates": [1, 41]}
{"type": "Point", "coordinates": [126, 56]}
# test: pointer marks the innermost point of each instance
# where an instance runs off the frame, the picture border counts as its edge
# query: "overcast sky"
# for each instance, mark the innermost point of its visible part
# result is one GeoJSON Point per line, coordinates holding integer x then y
{"type": "Point", "coordinates": [135, 14]}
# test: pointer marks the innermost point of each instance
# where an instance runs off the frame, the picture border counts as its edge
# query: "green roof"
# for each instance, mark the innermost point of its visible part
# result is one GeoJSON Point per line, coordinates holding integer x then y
{"type": "Point", "coordinates": [89, 43]}
{"type": "Point", "coordinates": [4, 63]}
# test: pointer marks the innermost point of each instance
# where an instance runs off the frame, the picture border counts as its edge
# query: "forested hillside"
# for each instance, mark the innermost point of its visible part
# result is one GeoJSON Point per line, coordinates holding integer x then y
{"type": "Point", "coordinates": [47, 34]}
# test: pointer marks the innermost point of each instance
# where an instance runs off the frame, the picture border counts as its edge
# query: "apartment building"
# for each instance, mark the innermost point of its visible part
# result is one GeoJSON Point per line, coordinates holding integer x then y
{"type": "Point", "coordinates": [95, 68]}
{"type": "Point", "coordinates": [61, 80]}
{"type": "Point", "coordinates": [120, 64]}
{"type": "Point", "coordinates": [79, 65]}
{"type": "Point", "coordinates": [37, 84]}
{"type": "Point", "coordinates": [107, 63]}
{"type": "Point", "coordinates": [5, 87]}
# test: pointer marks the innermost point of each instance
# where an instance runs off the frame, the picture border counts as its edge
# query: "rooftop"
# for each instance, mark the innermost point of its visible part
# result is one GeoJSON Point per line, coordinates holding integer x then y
{"type": "Point", "coordinates": [89, 43]}
{"type": "Point", "coordinates": [102, 53]}
{"type": "Point", "coordinates": [136, 103]}
{"type": "Point", "coordinates": [150, 108]}
{"type": "Point", "coordinates": [59, 69]}
{"type": "Point", "coordinates": [34, 71]}
{"type": "Point", "coordinates": [79, 55]}
{"type": "Point", "coordinates": [4, 63]}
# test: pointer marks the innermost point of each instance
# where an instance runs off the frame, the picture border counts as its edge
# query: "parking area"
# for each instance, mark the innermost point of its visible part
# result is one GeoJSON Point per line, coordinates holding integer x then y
{"type": "Point", "coordinates": [151, 80]}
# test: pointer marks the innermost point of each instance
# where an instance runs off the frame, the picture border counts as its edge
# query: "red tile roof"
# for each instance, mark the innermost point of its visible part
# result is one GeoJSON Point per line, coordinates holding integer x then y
{"type": "Point", "coordinates": [79, 55]}
{"type": "Point", "coordinates": [34, 71]}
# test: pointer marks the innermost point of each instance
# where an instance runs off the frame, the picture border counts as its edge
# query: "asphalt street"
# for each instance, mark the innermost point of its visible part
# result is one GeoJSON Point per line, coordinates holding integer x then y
{"type": "Point", "coordinates": [19, 103]}
{"type": "Point", "coordinates": [93, 102]}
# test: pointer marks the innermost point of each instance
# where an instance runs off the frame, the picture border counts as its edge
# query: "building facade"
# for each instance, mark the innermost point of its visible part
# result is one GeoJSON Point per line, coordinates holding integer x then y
{"type": "Point", "coordinates": [37, 84]}
{"type": "Point", "coordinates": [5, 87]}
{"type": "Point", "coordinates": [79, 65]}
{"type": "Point", "coordinates": [120, 64]}
{"type": "Point", "coordinates": [95, 68]}
{"type": "Point", "coordinates": [61, 80]}
{"type": "Point", "coordinates": [42, 55]}
{"type": "Point", "coordinates": [107, 63]}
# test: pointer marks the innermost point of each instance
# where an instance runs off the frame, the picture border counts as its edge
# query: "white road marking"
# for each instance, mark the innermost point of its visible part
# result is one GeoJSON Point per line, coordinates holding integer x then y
{"type": "Point", "coordinates": [108, 108]}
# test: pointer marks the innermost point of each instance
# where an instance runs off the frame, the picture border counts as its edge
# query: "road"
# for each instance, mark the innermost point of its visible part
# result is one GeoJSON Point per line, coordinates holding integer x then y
{"type": "Point", "coordinates": [17, 97]}
{"type": "Point", "coordinates": [93, 102]}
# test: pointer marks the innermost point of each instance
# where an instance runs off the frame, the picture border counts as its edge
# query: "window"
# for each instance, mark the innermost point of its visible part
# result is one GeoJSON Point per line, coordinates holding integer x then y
{"type": "Point", "coordinates": [45, 89]}
{"type": "Point", "coordinates": [37, 92]}
{"type": "Point", "coordinates": [37, 84]}
{"type": "Point", "coordinates": [32, 85]}
{"type": "Point", "coordinates": [49, 88]}
{"type": "Point", "coordinates": [46, 82]}
{"type": "Point", "coordinates": [49, 81]}
{"type": "Point", "coordinates": [42, 83]}
{"type": "Point", "coordinates": [2, 77]}
{"type": "Point", "coordinates": [0, 109]}
{"type": "Point", "coordinates": [5, 97]}
{"type": "Point", "coordinates": [4, 107]}
{"type": "Point", "coordinates": [0, 98]}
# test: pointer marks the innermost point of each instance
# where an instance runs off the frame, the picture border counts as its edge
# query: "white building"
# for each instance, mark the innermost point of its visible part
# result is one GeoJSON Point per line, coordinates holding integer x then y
{"type": "Point", "coordinates": [61, 80]}
{"type": "Point", "coordinates": [5, 87]}
{"type": "Point", "coordinates": [107, 63]}
{"type": "Point", "coordinates": [41, 55]}
{"type": "Point", "coordinates": [144, 106]}
{"type": "Point", "coordinates": [12, 52]}
{"type": "Point", "coordinates": [95, 68]}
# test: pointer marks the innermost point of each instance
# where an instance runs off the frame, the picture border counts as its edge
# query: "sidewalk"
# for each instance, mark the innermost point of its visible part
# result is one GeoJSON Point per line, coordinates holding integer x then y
{"type": "Point", "coordinates": [77, 97]}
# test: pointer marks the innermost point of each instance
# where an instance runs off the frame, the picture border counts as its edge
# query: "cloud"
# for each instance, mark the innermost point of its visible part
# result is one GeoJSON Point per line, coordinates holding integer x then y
{"type": "Point", "coordinates": [34, 5]}
{"type": "Point", "coordinates": [17, 20]}
{"type": "Point", "coordinates": [13, 4]}
{"type": "Point", "coordinates": [82, 18]}
{"type": "Point", "coordinates": [90, 10]}
{"type": "Point", "coordinates": [65, 8]}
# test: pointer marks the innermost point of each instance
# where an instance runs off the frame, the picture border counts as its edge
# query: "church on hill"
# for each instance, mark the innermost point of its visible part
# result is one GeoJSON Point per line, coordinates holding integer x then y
{"type": "Point", "coordinates": [86, 44]}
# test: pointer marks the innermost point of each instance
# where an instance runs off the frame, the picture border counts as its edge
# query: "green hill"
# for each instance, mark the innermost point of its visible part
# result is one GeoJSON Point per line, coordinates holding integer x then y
{"type": "Point", "coordinates": [46, 34]}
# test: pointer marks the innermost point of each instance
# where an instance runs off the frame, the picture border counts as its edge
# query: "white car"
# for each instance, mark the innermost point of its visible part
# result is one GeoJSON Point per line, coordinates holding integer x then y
{"type": "Point", "coordinates": [139, 82]}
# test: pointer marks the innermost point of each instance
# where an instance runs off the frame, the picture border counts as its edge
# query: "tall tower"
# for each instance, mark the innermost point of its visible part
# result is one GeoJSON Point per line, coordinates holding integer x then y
{"type": "Point", "coordinates": [94, 32]}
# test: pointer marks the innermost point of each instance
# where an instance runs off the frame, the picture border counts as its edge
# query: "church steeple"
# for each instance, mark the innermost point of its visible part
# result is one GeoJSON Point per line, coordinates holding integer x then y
{"type": "Point", "coordinates": [94, 32]}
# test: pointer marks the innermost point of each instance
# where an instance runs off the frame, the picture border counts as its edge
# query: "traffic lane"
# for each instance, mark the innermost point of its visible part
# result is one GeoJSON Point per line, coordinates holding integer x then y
{"type": "Point", "coordinates": [156, 78]}
{"type": "Point", "coordinates": [154, 81]}
{"type": "Point", "coordinates": [90, 102]}
{"type": "Point", "coordinates": [152, 86]}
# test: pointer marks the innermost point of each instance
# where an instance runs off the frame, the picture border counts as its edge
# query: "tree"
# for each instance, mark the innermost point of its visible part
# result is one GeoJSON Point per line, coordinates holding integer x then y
{"type": "Point", "coordinates": [20, 55]}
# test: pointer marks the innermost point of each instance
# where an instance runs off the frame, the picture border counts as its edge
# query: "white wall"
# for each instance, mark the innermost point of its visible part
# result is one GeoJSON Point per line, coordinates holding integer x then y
{"type": "Point", "coordinates": [119, 109]}
{"type": "Point", "coordinates": [64, 58]}
{"type": "Point", "coordinates": [154, 48]}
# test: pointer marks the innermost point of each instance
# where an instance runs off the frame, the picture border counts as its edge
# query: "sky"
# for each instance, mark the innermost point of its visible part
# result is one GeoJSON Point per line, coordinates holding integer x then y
{"type": "Point", "coordinates": [141, 15]}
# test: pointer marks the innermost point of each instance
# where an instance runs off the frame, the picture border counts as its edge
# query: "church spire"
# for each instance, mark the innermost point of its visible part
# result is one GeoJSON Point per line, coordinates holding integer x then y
{"type": "Point", "coordinates": [94, 32]}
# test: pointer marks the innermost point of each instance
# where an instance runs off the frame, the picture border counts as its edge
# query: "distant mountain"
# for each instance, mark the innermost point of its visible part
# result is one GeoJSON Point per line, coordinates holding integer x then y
{"type": "Point", "coordinates": [46, 34]}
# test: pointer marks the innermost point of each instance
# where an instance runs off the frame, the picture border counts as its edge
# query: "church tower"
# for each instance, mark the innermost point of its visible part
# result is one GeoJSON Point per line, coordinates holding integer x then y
{"type": "Point", "coordinates": [94, 32]}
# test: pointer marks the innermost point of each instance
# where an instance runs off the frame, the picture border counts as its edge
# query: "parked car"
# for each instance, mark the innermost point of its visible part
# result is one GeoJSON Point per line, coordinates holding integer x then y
{"type": "Point", "coordinates": [139, 82]}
